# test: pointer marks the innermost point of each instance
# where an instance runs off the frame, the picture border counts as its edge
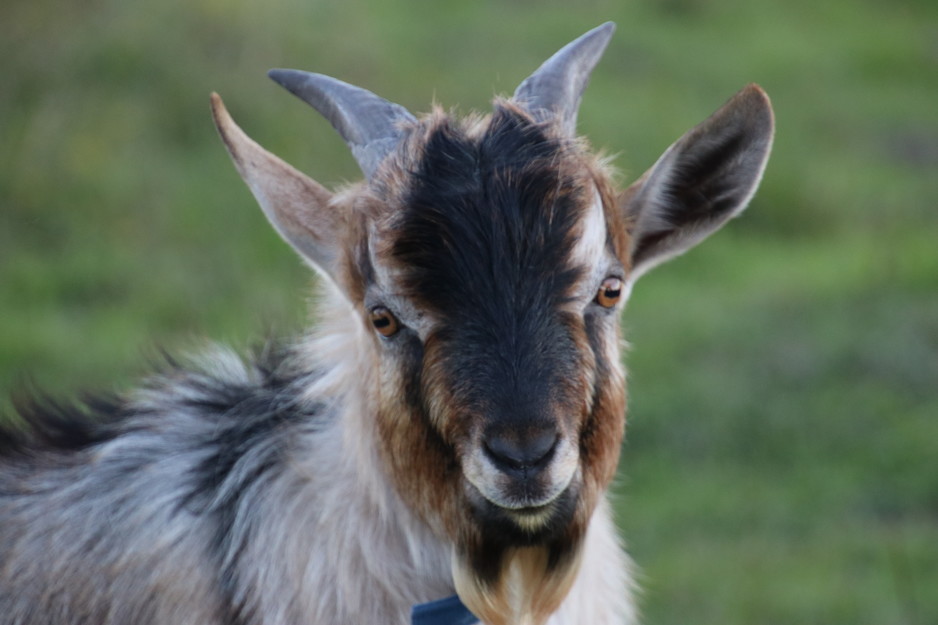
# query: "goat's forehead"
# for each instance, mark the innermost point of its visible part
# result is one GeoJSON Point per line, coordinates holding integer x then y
{"type": "Point", "coordinates": [494, 209]}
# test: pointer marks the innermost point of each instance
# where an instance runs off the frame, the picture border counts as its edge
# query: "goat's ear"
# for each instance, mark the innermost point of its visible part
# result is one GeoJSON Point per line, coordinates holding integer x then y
{"type": "Point", "coordinates": [704, 179]}
{"type": "Point", "coordinates": [297, 206]}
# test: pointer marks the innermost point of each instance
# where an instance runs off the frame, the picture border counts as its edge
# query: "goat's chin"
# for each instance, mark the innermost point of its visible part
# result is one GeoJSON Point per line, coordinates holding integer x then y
{"type": "Point", "coordinates": [514, 523]}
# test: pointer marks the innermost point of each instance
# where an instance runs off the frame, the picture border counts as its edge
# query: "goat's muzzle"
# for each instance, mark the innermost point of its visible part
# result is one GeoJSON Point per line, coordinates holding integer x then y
{"type": "Point", "coordinates": [525, 477]}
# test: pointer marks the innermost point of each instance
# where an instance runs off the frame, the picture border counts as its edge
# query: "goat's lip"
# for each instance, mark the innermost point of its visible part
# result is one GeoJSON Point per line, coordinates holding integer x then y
{"type": "Point", "coordinates": [523, 522]}
{"type": "Point", "coordinates": [533, 518]}
{"type": "Point", "coordinates": [522, 507]}
{"type": "Point", "coordinates": [532, 513]}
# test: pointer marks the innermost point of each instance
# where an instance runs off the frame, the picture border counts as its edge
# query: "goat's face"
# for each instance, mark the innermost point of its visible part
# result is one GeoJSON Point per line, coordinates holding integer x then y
{"type": "Point", "coordinates": [488, 262]}
{"type": "Point", "coordinates": [494, 291]}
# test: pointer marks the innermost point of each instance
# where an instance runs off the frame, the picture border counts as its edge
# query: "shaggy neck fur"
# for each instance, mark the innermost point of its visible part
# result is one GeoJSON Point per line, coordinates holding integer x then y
{"type": "Point", "coordinates": [390, 558]}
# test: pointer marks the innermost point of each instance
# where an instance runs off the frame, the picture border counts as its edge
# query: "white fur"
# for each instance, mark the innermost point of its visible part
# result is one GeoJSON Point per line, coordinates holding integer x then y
{"type": "Point", "coordinates": [603, 591]}
{"type": "Point", "coordinates": [591, 244]}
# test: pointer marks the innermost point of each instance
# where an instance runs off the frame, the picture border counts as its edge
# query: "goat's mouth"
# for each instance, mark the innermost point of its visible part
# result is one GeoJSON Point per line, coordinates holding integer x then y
{"type": "Point", "coordinates": [523, 513]}
{"type": "Point", "coordinates": [532, 518]}
{"type": "Point", "coordinates": [526, 507]}
{"type": "Point", "coordinates": [523, 524]}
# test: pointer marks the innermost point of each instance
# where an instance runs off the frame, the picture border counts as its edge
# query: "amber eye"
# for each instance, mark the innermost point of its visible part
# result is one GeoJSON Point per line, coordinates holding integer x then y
{"type": "Point", "coordinates": [384, 321]}
{"type": "Point", "coordinates": [609, 292]}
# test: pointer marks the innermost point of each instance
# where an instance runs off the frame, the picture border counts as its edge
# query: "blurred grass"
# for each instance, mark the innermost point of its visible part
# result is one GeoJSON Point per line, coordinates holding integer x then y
{"type": "Point", "coordinates": [782, 459]}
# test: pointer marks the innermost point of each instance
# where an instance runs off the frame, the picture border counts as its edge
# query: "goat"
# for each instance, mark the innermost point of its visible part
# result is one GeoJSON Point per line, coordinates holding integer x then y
{"type": "Point", "coordinates": [453, 424]}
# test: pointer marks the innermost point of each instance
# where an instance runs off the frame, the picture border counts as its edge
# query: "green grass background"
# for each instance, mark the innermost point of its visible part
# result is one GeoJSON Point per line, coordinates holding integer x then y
{"type": "Point", "coordinates": [782, 458]}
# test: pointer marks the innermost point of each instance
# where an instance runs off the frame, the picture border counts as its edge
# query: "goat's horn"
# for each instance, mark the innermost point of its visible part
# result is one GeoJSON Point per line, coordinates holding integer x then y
{"type": "Point", "coordinates": [553, 91]}
{"type": "Point", "coordinates": [369, 124]}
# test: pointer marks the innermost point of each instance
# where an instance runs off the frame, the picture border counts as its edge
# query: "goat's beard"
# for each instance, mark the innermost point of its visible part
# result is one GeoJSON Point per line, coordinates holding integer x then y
{"type": "Point", "coordinates": [510, 582]}
{"type": "Point", "coordinates": [528, 587]}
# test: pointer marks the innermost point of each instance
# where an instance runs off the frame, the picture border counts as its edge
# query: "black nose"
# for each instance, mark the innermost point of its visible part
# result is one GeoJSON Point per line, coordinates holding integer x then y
{"type": "Point", "coordinates": [521, 452]}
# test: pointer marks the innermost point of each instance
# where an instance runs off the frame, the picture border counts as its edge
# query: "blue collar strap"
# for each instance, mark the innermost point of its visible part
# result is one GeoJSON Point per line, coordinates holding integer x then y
{"type": "Point", "coordinates": [449, 611]}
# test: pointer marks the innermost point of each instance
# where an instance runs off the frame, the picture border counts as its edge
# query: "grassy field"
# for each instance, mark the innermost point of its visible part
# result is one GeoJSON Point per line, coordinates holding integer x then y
{"type": "Point", "coordinates": [782, 458]}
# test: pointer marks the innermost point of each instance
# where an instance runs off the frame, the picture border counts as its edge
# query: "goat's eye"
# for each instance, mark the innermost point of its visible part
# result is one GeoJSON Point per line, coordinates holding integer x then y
{"type": "Point", "coordinates": [384, 321]}
{"type": "Point", "coordinates": [609, 292]}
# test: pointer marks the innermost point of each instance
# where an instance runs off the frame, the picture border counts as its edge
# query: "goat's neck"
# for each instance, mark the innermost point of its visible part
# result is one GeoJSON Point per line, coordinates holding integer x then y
{"type": "Point", "coordinates": [340, 352]}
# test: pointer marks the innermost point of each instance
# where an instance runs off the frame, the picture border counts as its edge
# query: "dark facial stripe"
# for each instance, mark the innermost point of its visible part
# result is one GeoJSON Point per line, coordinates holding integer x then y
{"type": "Point", "coordinates": [484, 242]}
{"type": "Point", "coordinates": [488, 221]}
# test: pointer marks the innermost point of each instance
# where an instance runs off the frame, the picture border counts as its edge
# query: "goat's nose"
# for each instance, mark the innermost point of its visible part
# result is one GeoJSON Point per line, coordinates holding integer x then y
{"type": "Point", "coordinates": [521, 453]}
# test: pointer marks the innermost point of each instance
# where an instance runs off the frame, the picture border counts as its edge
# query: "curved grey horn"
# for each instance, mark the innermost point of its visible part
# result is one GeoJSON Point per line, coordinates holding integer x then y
{"type": "Point", "coordinates": [369, 124]}
{"type": "Point", "coordinates": [554, 89]}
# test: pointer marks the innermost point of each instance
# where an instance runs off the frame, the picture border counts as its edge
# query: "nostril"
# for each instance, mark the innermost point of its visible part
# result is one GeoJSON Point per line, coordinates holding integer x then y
{"type": "Point", "coordinates": [521, 453]}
